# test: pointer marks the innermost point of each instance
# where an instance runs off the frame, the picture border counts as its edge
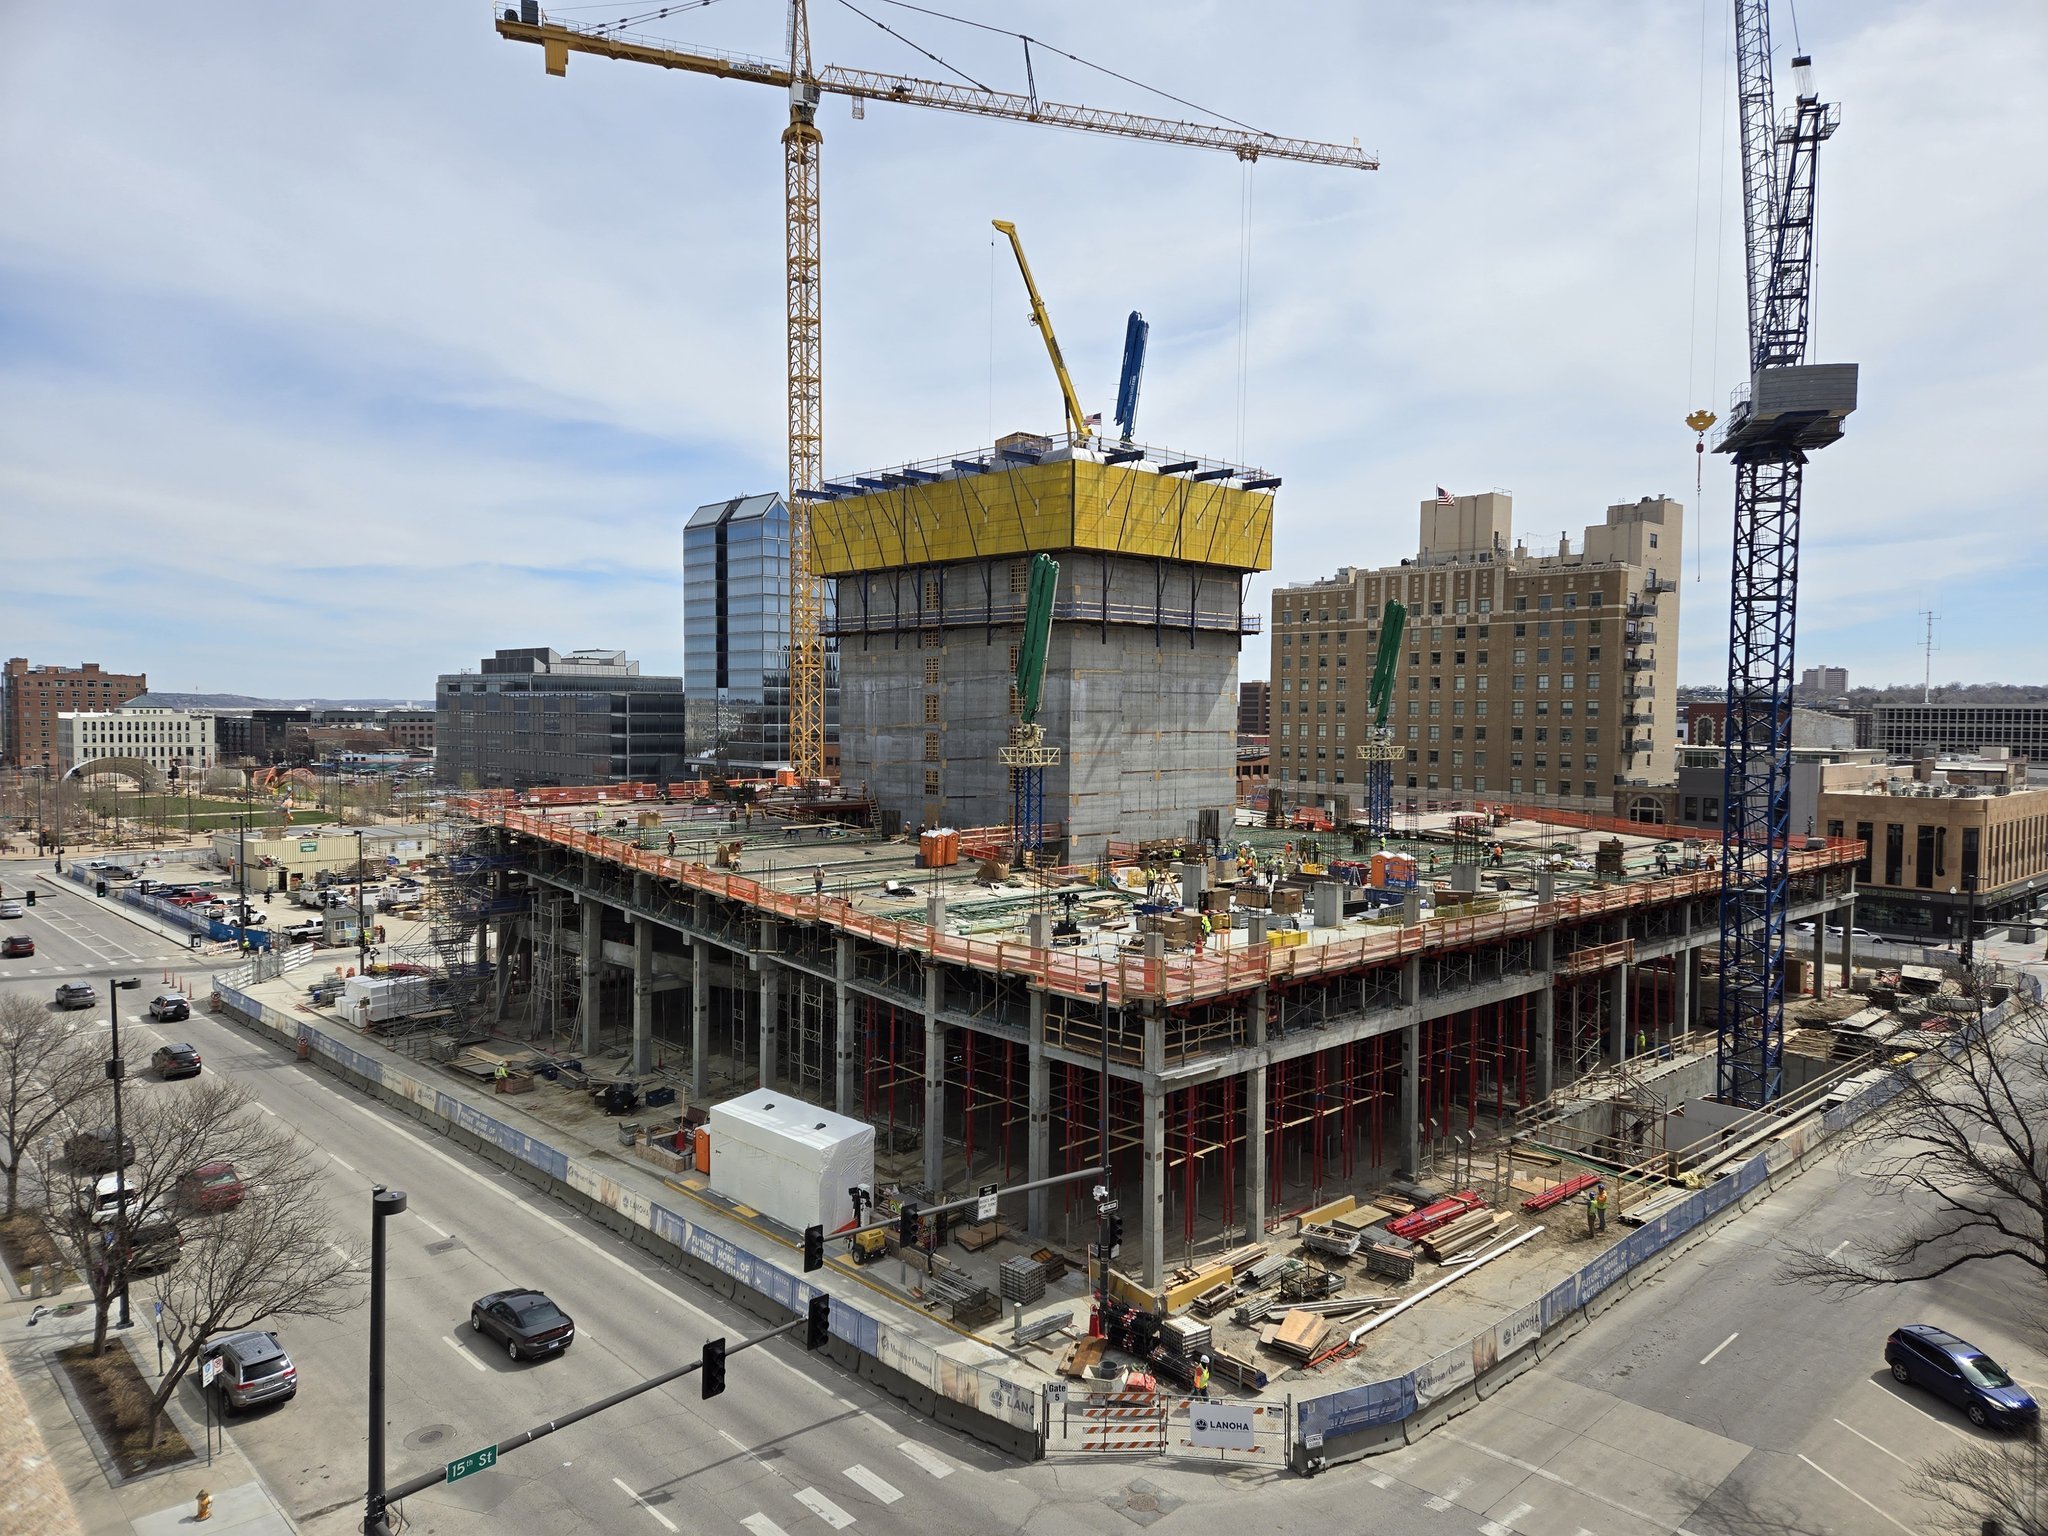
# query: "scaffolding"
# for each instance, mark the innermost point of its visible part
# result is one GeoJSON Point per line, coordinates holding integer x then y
{"type": "Point", "coordinates": [467, 889]}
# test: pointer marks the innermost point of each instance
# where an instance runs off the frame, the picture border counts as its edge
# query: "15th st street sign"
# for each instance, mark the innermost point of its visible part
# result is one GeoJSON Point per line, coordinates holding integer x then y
{"type": "Point", "coordinates": [475, 1461]}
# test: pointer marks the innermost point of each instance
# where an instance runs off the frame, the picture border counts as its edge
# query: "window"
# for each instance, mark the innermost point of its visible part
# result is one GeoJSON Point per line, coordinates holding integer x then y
{"type": "Point", "coordinates": [931, 709]}
{"type": "Point", "coordinates": [1520, 657]}
{"type": "Point", "coordinates": [1923, 858]}
{"type": "Point", "coordinates": [1653, 541]}
{"type": "Point", "coordinates": [931, 781]}
{"type": "Point", "coordinates": [1482, 658]}
{"type": "Point", "coordinates": [1436, 658]}
{"type": "Point", "coordinates": [931, 746]}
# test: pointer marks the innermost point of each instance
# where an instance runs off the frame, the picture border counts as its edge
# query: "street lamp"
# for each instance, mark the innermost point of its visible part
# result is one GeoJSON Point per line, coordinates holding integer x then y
{"type": "Point", "coordinates": [1103, 1202]}
{"type": "Point", "coordinates": [362, 933]}
{"type": "Point", "coordinates": [115, 1072]}
{"type": "Point", "coordinates": [1969, 920]}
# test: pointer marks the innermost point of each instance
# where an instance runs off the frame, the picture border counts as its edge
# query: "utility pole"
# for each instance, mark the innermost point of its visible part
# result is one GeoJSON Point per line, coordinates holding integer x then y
{"type": "Point", "coordinates": [115, 1072]}
{"type": "Point", "coordinates": [362, 933]}
{"type": "Point", "coordinates": [1103, 1201]}
{"type": "Point", "coordinates": [242, 881]}
{"type": "Point", "coordinates": [384, 1204]}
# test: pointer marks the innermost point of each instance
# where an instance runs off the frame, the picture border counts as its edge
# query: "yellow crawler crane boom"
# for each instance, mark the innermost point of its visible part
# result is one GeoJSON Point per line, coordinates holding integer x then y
{"type": "Point", "coordinates": [1076, 422]}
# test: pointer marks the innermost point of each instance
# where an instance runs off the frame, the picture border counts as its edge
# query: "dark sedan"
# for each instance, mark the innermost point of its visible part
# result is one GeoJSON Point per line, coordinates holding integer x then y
{"type": "Point", "coordinates": [16, 946]}
{"type": "Point", "coordinates": [76, 994]}
{"type": "Point", "coordinates": [525, 1322]}
{"type": "Point", "coordinates": [169, 1061]}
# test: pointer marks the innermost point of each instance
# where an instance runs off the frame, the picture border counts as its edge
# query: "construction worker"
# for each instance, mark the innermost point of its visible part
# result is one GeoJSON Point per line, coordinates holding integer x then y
{"type": "Point", "coordinates": [1600, 1207]}
{"type": "Point", "coordinates": [502, 1073]}
{"type": "Point", "coordinates": [1201, 933]}
{"type": "Point", "coordinates": [1642, 1041]}
{"type": "Point", "coordinates": [1202, 1378]}
{"type": "Point", "coordinates": [671, 845]}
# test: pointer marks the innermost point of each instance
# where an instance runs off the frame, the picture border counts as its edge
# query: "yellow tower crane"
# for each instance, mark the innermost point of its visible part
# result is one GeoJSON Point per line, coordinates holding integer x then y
{"type": "Point", "coordinates": [1076, 422]}
{"type": "Point", "coordinates": [804, 279]}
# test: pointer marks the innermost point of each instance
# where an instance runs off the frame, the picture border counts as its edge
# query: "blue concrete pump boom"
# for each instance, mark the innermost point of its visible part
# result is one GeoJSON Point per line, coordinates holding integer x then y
{"type": "Point", "coordinates": [1136, 332]}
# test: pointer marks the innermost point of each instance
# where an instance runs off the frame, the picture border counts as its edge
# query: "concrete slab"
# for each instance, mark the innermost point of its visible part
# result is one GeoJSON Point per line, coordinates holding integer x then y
{"type": "Point", "coordinates": [243, 1510]}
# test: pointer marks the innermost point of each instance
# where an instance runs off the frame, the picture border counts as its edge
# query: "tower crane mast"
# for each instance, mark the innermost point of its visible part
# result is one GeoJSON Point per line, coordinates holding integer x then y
{"type": "Point", "coordinates": [1789, 409]}
{"type": "Point", "coordinates": [802, 141]}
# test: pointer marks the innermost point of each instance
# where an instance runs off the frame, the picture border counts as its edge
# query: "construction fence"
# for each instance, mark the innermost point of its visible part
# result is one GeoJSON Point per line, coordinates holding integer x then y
{"type": "Point", "coordinates": [1380, 1415]}
{"type": "Point", "coordinates": [994, 1409]}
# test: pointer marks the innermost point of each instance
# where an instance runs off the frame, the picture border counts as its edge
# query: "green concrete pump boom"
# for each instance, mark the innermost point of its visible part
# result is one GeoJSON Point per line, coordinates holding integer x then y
{"type": "Point", "coordinates": [1045, 577]}
{"type": "Point", "coordinates": [1381, 699]}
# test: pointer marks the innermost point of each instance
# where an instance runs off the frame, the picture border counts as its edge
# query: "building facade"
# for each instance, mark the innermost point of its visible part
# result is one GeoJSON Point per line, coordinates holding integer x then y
{"type": "Point", "coordinates": [1543, 678]}
{"type": "Point", "coordinates": [534, 716]}
{"type": "Point", "coordinates": [410, 730]}
{"type": "Point", "coordinates": [177, 743]}
{"type": "Point", "coordinates": [1255, 707]}
{"type": "Point", "coordinates": [932, 565]}
{"type": "Point", "coordinates": [1914, 730]}
{"type": "Point", "coordinates": [1943, 838]}
{"type": "Point", "coordinates": [736, 638]}
{"type": "Point", "coordinates": [35, 696]}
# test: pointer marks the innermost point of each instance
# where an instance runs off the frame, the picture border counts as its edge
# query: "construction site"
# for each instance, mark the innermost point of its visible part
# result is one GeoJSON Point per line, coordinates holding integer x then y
{"type": "Point", "coordinates": [1290, 1074]}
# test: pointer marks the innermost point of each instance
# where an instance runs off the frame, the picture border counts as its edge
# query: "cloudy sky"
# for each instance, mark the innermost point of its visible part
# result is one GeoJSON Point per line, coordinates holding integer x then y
{"type": "Point", "coordinates": [339, 345]}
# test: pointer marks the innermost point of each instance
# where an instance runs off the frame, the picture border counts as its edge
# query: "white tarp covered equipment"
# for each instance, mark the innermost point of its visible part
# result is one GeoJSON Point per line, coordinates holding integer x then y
{"type": "Point", "coordinates": [377, 998]}
{"type": "Point", "coordinates": [790, 1160]}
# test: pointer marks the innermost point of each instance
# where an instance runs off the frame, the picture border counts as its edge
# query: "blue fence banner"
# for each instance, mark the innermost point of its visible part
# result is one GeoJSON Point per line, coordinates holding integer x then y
{"type": "Point", "coordinates": [1560, 1301]}
{"type": "Point", "coordinates": [528, 1149]}
{"type": "Point", "coordinates": [1356, 1408]}
{"type": "Point", "coordinates": [1604, 1271]}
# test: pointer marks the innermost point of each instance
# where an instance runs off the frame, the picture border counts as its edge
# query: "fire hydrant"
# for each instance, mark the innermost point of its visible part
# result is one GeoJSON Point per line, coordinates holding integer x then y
{"type": "Point", "coordinates": [205, 1510]}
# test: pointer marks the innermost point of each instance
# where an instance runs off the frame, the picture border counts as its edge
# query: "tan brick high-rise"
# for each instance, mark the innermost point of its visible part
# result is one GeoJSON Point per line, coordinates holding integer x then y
{"type": "Point", "coordinates": [1547, 678]}
{"type": "Point", "coordinates": [37, 695]}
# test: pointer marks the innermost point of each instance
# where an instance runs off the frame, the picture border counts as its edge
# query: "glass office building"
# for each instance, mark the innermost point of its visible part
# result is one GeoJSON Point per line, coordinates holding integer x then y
{"type": "Point", "coordinates": [736, 638]}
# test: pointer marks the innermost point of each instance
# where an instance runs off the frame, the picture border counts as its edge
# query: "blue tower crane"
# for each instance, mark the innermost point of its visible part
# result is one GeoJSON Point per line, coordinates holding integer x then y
{"type": "Point", "coordinates": [1789, 409]}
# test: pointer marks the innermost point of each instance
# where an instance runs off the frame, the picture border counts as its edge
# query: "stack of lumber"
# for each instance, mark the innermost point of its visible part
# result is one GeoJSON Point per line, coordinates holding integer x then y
{"type": "Point", "coordinates": [1455, 1237]}
{"type": "Point", "coordinates": [1389, 1260]}
{"type": "Point", "coordinates": [1213, 1300]}
{"type": "Point", "coordinates": [1300, 1333]}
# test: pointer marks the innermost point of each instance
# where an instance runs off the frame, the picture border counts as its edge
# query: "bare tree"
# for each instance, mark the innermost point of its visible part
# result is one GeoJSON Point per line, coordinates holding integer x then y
{"type": "Point", "coordinates": [175, 1129]}
{"type": "Point", "coordinates": [273, 1255]}
{"type": "Point", "coordinates": [1965, 1151]}
{"type": "Point", "coordinates": [46, 1075]}
{"type": "Point", "coordinates": [1988, 1487]}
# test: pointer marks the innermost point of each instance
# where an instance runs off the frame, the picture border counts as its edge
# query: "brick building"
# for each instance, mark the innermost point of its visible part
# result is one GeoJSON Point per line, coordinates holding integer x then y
{"type": "Point", "coordinates": [36, 695]}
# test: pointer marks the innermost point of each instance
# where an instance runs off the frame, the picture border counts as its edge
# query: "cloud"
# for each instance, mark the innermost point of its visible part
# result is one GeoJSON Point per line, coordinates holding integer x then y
{"type": "Point", "coordinates": [338, 348]}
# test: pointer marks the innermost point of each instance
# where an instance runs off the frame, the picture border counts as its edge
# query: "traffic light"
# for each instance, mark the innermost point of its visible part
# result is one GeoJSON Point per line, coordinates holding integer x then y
{"type": "Point", "coordinates": [906, 1226]}
{"type": "Point", "coordinates": [1116, 1233]}
{"type": "Point", "coordinates": [818, 1332]}
{"type": "Point", "coordinates": [814, 1248]}
{"type": "Point", "coordinates": [714, 1367]}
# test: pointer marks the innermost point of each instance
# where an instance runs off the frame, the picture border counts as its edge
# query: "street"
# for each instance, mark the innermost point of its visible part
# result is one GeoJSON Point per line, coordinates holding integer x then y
{"type": "Point", "coordinates": [1712, 1400]}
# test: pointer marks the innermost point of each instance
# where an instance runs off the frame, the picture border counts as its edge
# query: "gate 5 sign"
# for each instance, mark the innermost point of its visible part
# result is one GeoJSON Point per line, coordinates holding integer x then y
{"type": "Point", "coordinates": [1221, 1426]}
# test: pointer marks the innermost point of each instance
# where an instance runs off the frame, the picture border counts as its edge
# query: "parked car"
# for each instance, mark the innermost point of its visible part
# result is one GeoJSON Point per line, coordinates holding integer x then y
{"type": "Point", "coordinates": [107, 1193]}
{"type": "Point", "coordinates": [169, 1061]}
{"type": "Point", "coordinates": [76, 994]}
{"type": "Point", "coordinates": [12, 908]}
{"type": "Point", "coordinates": [309, 932]}
{"type": "Point", "coordinates": [93, 1151]}
{"type": "Point", "coordinates": [16, 946]}
{"type": "Point", "coordinates": [254, 1369]}
{"type": "Point", "coordinates": [214, 1186]}
{"type": "Point", "coordinates": [524, 1321]}
{"type": "Point", "coordinates": [169, 1007]}
{"type": "Point", "coordinates": [1925, 1356]}
{"type": "Point", "coordinates": [154, 1242]}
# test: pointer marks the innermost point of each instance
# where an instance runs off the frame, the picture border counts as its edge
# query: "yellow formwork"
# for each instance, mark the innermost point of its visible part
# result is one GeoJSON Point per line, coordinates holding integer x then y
{"type": "Point", "coordinates": [1046, 508]}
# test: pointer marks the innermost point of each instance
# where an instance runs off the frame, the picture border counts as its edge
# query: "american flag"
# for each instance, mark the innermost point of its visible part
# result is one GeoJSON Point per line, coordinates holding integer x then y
{"type": "Point", "coordinates": [1444, 498]}
{"type": "Point", "coordinates": [1095, 420]}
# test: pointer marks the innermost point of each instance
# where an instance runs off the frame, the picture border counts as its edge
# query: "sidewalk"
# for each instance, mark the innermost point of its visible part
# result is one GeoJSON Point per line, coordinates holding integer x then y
{"type": "Point", "coordinates": [69, 1459]}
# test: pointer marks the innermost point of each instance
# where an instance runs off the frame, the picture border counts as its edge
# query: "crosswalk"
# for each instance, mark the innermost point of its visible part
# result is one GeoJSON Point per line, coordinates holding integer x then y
{"type": "Point", "coordinates": [816, 1502]}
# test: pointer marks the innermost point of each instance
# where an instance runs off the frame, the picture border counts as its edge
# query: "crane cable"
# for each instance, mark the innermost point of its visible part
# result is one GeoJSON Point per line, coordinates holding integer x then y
{"type": "Point", "coordinates": [1244, 301]}
{"type": "Point", "coordinates": [1700, 419]}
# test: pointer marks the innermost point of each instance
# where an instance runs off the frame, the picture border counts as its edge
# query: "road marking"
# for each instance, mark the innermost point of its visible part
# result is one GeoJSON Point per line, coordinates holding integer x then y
{"type": "Point", "coordinates": [1564, 1482]}
{"type": "Point", "coordinates": [758, 1523]}
{"type": "Point", "coordinates": [1381, 1479]}
{"type": "Point", "coordinates": [351, 1167]}
{"type": "Point", "coordinates": [1824, 1472]}
{"type": "Point", "coordinates": [824, 1508]}
{"type": "Point", "coordinates": [429, 1225]}
{"type": "Point", "coordinates": [456, 1345]}
{"type": "Point", "coordinates": [1449, 1496]}
{"type": "Point", "coordinates": [666, 1523]}
{"type": "Point", "coordinates": [1722, 1345]}
{"type": "Point", "coordinates": [1896, 1394]}
{"type": "Point", "coordinates": [267, 1109]}
{"type": "Point", "coordinates": [1505, 1525]}
{"type": "Point", "coordinates": [1895, 1456]}
{"type": "Point", "coordinates": [747, 1451]}
{"type": "Point", "coordinates": [1837, 1249]}
{"type": "Point", "coordinates": [880, 1491]}
{"type": "Point", "coordinates": [931, 1461]}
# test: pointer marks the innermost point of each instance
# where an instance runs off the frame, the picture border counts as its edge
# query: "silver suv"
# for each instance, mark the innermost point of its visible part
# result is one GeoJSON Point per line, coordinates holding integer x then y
{"type": "Point", "coordinates": [253, 1369]}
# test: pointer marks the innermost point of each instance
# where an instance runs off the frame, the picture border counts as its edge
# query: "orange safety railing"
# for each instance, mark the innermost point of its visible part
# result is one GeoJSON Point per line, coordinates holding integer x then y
{"type": "Point", "coordinates": [1172, 979]}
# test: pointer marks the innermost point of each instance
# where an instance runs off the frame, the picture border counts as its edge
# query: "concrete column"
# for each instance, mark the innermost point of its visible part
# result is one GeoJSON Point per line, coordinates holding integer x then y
{"type": "Point", "coordinates": [1153, 1215]}
{"type": "Point", "coordinates": [1820, 955]}
{"type": "Point", "coordinates": [934, 1084]}
{"type": "Point", "coordinates": [1619, 1042]}
{"type": "Point", "coordinates": [700, 1019]}
{"type": "Point", "coordinates": [1037, 1120]}
{"type": "Point", "coordinates": [1255, 1169]}
{"type": "Point", "coordinates": [1543, 1027]}
{"type": "Point", "coordinates": [846, 1073]}
{"type": "Point", "coordinates": [592, 961]}
{"type": "Point", "coordinates": [1848, 916]}
{"type": "Point", "coordinates": [502, 976]}
{"type": "Point", "coordinates": [770, 990]}
{"type": "Point", "coordinates": [1407, 1124]}
{"type": "Point", "coordinates": [643, 996]}
{"type": "Point", "coordinates": [1682, 989]}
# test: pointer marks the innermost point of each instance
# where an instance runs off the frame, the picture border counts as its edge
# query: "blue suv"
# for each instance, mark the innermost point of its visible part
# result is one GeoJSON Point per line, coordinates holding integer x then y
{"type": "Point", "coordinates": [1922, 1355]}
